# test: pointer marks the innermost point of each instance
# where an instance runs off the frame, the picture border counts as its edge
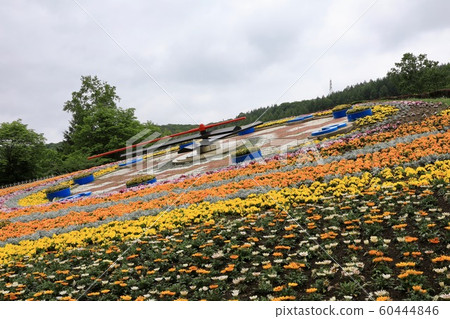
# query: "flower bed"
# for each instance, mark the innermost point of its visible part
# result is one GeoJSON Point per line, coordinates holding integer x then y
{"type": "Point", "coordinates": [358, 112]}
{"type": "Point", "coordinates": [84, 178]}
{"type": "Point", "coordinates": [245, 154]}
{"type": "Point", "coordinates": [141, 180]}
{"type": "Point", "coordinates": [58, 191]}
{"type": "Point", "coordinates": [377, 204]}
{"type": "Point", "coordinates": [340, 111]}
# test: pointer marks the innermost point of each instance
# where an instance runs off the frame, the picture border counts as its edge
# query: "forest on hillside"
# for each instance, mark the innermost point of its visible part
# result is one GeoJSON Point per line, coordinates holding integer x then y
{"type": "Point", "coordinates": [412, 76]}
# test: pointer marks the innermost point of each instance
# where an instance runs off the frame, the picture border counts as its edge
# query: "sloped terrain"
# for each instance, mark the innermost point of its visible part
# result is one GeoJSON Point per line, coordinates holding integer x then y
{"type": "Point", "coordinates": [362, 215]}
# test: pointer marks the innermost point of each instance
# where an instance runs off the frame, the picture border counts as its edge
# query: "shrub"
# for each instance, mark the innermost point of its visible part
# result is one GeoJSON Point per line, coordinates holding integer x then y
{"type": "Point", "coordinates": [82, 175]}
{"type": "Point", "coordinates": [57, 188]}
{"type": "Point", "coordinates": [357, 109]}
{"type": "Point", "coordinates": [244, 150]}
{"type": "Point", "coordinates": [139, 180]}
{"type": "Point", "coordinates": [341, 107]}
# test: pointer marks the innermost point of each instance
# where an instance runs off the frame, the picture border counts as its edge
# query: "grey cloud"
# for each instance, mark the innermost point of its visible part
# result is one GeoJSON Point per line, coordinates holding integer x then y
{"type": "Point", "coordinates": [216, 58]}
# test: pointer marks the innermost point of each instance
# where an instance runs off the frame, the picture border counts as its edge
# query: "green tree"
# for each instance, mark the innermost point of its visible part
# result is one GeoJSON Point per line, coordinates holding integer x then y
{"type": "Point", "coordinates": [413, 74]}
{"type": "Point", "coordinates": [98, 124]}
{"type": "Point", "coordinates": [21, 150]}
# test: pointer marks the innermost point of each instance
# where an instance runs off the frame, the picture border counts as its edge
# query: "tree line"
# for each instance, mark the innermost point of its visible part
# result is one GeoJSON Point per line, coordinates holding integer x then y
{"type": "Point", "coordinates": [412, 75]}
{"type": "Point", "coordinates": [98, 124]}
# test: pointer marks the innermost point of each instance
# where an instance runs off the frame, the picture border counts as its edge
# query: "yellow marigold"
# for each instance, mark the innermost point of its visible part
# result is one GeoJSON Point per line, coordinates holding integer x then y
{"type": "Point", "coordinates": [311, 290]}
{"type": "Point", "coordinates": [292, 284]}
{"type": "Point", "coordinates": [267, 266]}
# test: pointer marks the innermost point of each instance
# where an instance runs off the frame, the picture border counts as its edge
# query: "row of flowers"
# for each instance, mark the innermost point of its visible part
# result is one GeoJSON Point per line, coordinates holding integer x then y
{"type": "Point", "coordinates": [402, 153]}
{"type": "Point", "coordinates": [369, 222]}
{"type": "Point", "coordinates": [380, 245]}
{"type": "Point", "coordinates": [132, 229]}
{"type": "Point", "coordinates": [338, 147]}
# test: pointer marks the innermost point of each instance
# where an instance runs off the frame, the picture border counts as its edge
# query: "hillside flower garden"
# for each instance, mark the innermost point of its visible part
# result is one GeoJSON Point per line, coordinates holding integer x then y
{"type": "Point", "coordinates": [359, 216]}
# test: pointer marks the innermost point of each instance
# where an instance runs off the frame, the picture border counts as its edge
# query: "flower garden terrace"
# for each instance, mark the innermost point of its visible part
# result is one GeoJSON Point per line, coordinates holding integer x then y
{"type": "Point", "coordinates": [359, 216]}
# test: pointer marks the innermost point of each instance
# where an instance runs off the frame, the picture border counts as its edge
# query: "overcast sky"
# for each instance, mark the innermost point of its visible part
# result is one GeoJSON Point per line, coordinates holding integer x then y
{"type": "Point", "coordinates": [213, 58]}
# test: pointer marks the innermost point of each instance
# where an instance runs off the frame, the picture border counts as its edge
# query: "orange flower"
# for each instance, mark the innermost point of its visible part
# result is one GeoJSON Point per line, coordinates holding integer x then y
{"type": "Point", "coordinates": [213, 286]}
{"type": "Point", "coordinates": [283, 247]}
{"type": "Point", "coordinates": [405, 264]}
{"type": "Point", "coordinates": [126, 298]}
{"type": "Point", "coordinates": [283, 298]}
{"type": "Point", "coordinates": [434, 240]}
{"type": "Point", "coordinates": [292, 284]}
{"type": "Point", "coordinates": [167, 293]}
{"type": "Point", "coordinates": [278, 288]}
{"type": "Point", "coordinates": [410, 239]}
{"type": "Point", "coordinates": [311, 290]}
{"type": "Point", "coordinates": [267, 266]}
{"type": "Point", "coordinates": [375, 252]}
{"type": "Point", "coordinates": [294, 265]}
{"type": "Point", "coordinates": [380, 259]}
{"type": "Point", "coordinates": [234, 256]}
{"type": "Point", "coordinates": [383, 298]}
{"type": "Point", "coordinates": [409, 272]}
{"type": "Point", "coordinates": [277, 254]}
{"type": "Point", "coordinates": [441, 258]}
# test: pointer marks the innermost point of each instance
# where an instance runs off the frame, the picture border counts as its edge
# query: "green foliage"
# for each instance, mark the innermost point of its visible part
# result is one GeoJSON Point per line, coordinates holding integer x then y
{"type": "Point", "coordinates": [417, 74]}
{"type": "Point", "coordinates": [341, 107]}
{"type": "Point", "coordinates": [139, 180]}
{"type": "Point", "coordinates": [57, 188]}
{"type": "Point", "coordinates": [21, 150]}
{"type": "Point", "coordinates": [98, 124]}
{"type": "Point", "coordinates": [82, 175]}
{"type": "Point", "coordinates": [431, 79]}
{"type": "Point", "coordinates": [357, 109]}
{"type": "Point", "coordinates": [243, 150]}
{"type": "Point", "coordinates": [77, 161]}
